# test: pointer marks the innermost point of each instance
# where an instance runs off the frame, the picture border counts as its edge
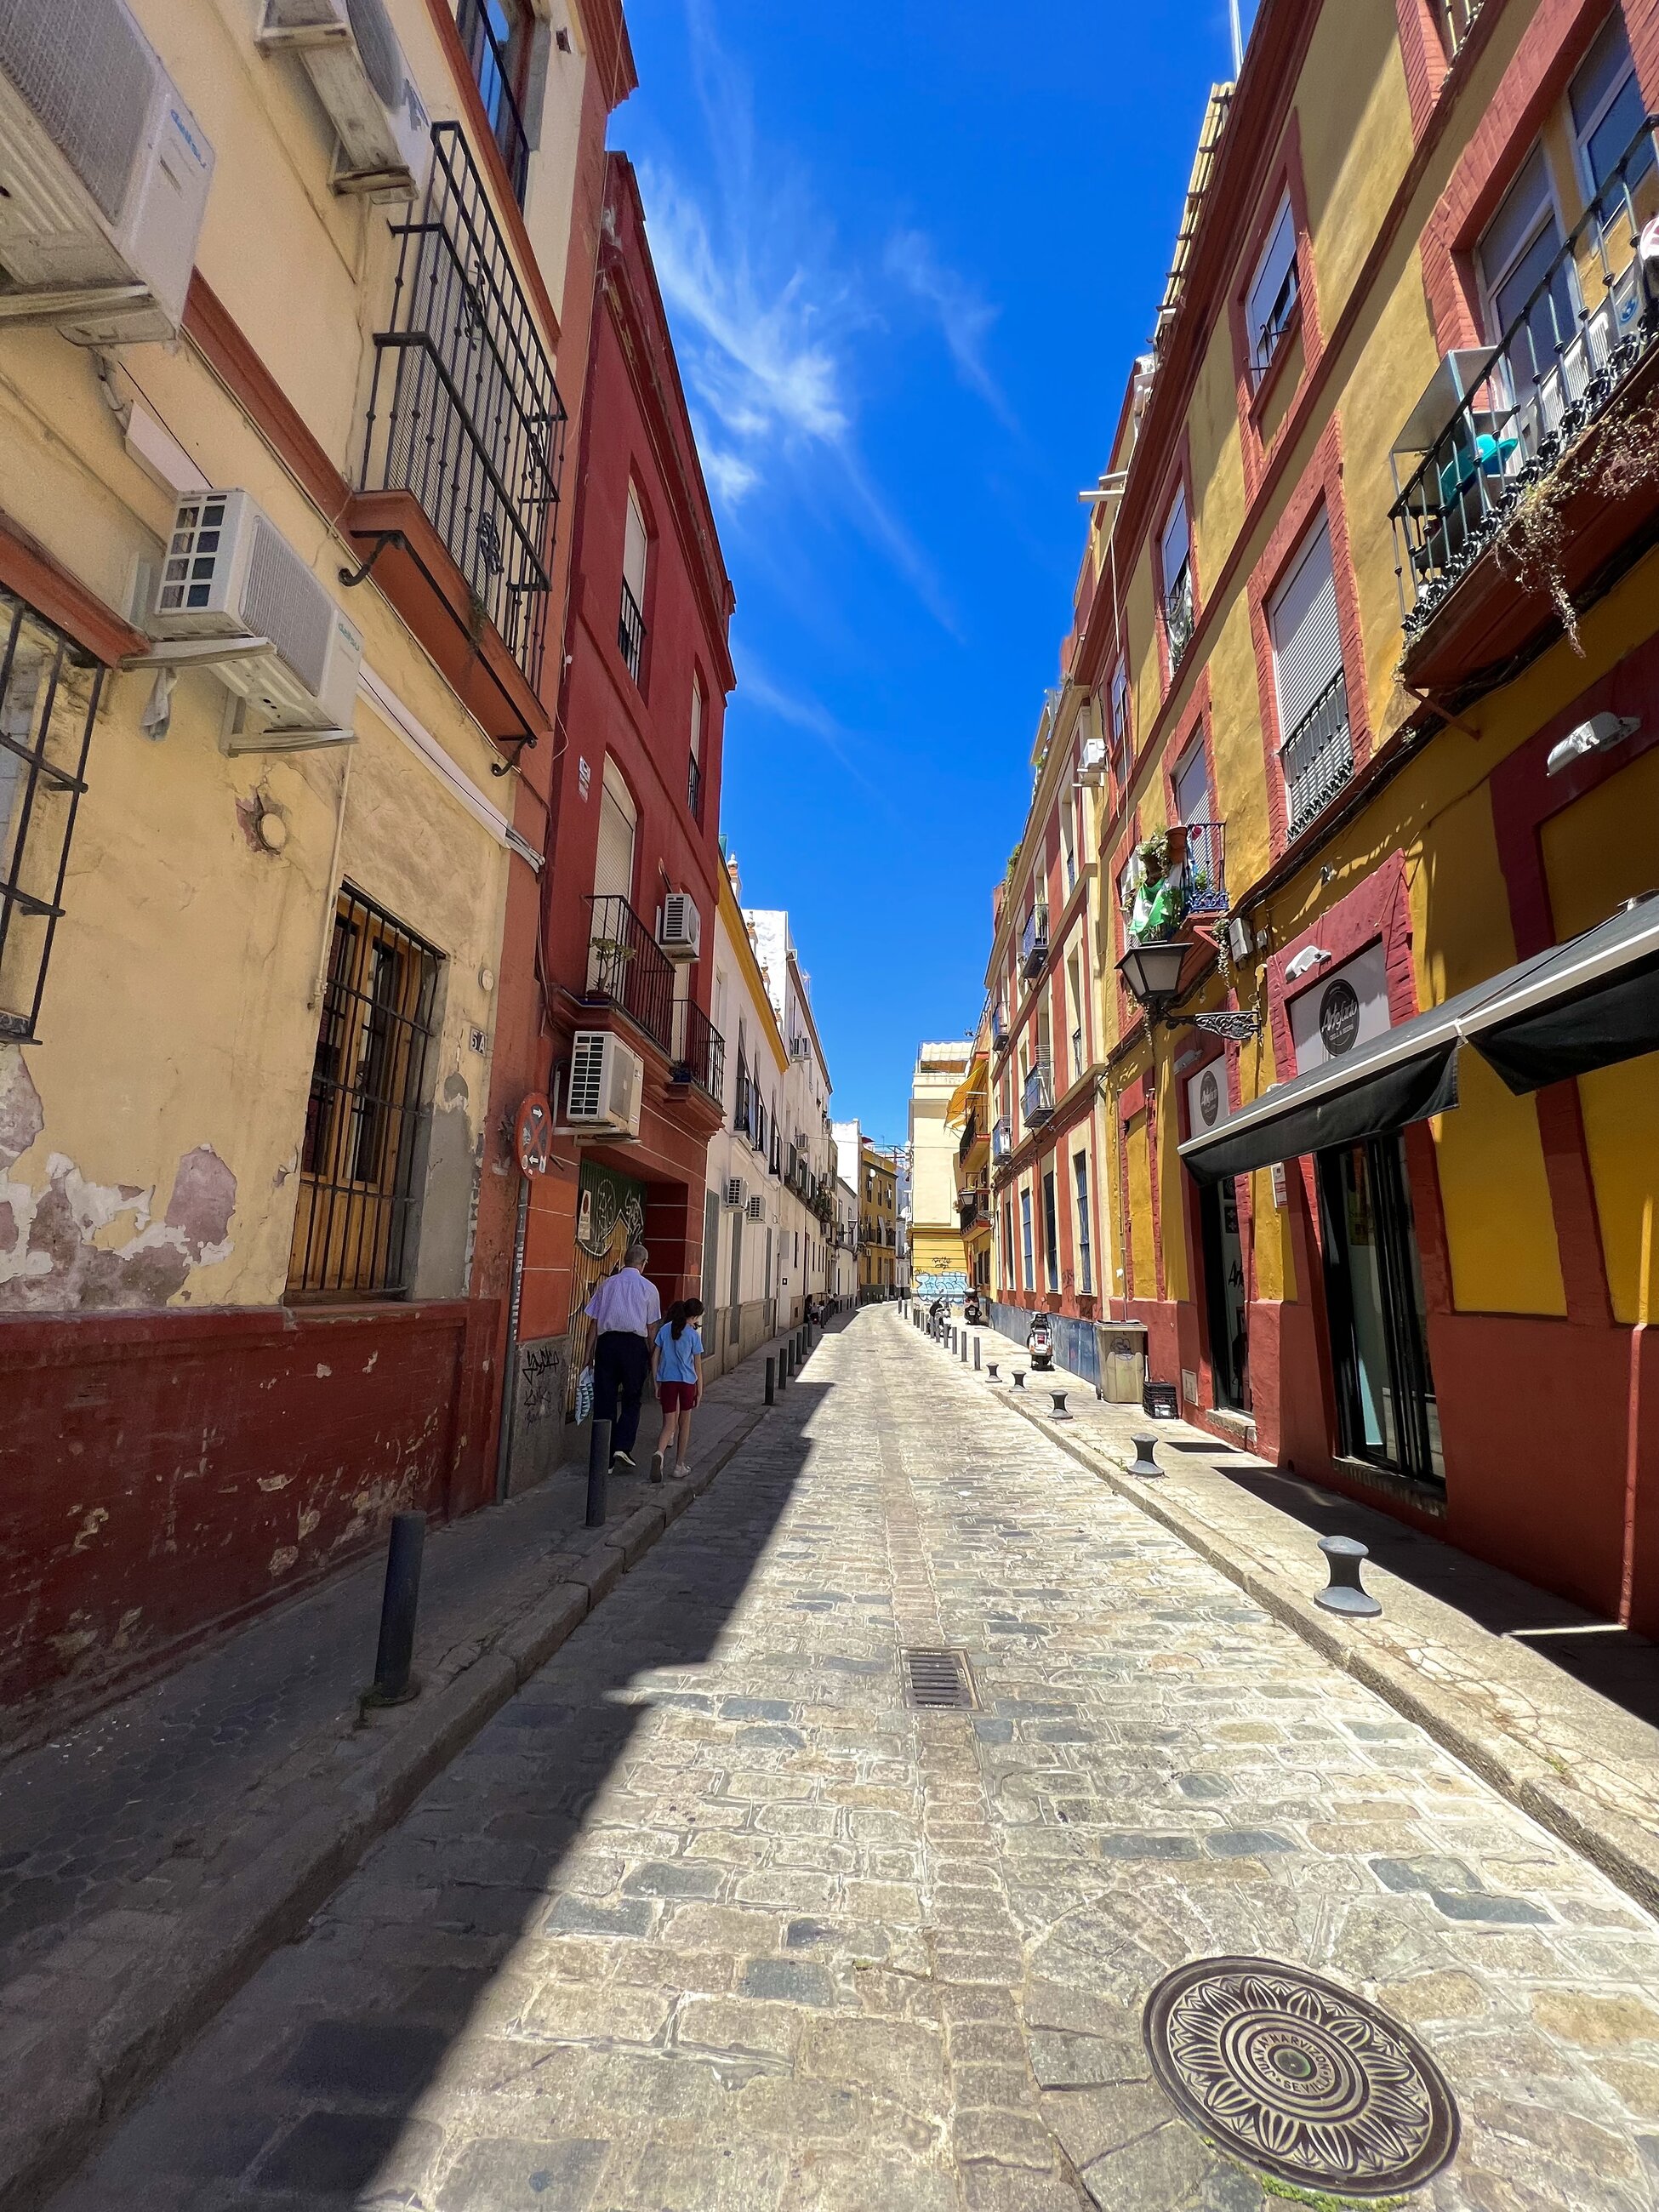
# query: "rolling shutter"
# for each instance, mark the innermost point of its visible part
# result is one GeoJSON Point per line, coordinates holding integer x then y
{"type": "Point", "coordinates": [613, 866]}
{"type": "Point", "coordinates": [1307, 641]}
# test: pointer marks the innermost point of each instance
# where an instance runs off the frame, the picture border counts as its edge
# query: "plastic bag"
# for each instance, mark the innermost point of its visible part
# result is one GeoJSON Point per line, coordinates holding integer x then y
{"type": "Point", "coordinates": [584, 1394]}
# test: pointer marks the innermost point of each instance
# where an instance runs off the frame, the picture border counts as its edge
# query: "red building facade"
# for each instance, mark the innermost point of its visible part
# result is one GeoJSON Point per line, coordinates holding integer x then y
{"type": "Point", "coordinates": [632, 845]}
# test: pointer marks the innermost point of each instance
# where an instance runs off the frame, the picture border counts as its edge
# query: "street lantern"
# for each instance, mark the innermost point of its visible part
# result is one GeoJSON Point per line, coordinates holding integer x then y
{"type": "Point", "coordinates": [1151, 974]}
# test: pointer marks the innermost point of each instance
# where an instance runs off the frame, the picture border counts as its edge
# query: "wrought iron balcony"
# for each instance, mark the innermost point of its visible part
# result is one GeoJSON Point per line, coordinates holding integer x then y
{"type": "Point", "coordinates": [693, 789]}
{"type": "Point", "coordinates": [495, 70]}
{"type": "Point", "coordinates": [630, 631]}
{"type": "Point", "coordinates": [1193, 882]}
{"type": "Point", "coordinates": [1002, 1141]}
{"type": "Point", "coordinates": [1034, 944]}
{"type": "Point", "coordinates": [973, 1201]}
{"type": "Point", "coordinates": [699, 1054]}
{"type": "Point", "coordinates": [1178, 618]}
{"type": "Point", "coordinates": [1496, 422]}
{"type": "Point", "coordinates": [463, 409]}
{"type": "Point", "coordinates": [1037, 1100]}
{"type": "Point", "coordinates": [999, 1027]}
{"type": "Point", "coordinates": [626, 969]}
{"type": "Point", "coordinates": [970, 1133]}
{"type": "Point", "coordinates": [1317, 758]}
{"type": "Point", "coordinates": [1456, 19]}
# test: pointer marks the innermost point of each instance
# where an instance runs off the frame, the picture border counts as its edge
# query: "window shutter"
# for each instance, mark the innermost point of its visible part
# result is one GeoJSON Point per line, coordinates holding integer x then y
{"type": "Point", "coordinates": [634, 550]}
{"type": "Point", "coordinates": [1176, 543]}
{"type": "Point", "coordinates": [1307, 640]}
{"type": "Point", "coordinates": [613, 866]}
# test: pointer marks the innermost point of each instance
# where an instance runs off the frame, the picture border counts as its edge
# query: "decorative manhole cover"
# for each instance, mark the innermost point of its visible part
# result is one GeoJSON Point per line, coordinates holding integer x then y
{"type": "Point", "coordinates": [1299, 2077]}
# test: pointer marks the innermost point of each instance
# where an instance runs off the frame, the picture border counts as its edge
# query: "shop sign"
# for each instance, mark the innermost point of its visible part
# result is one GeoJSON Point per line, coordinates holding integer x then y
{"type": "Point", "coordinates": [1345, 1008]}
{"type": "Point", "coordinates": [1207, 1103]}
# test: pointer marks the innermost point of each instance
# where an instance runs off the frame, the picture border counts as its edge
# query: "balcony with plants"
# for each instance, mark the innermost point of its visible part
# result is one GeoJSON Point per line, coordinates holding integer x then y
{"type": "Point", "coordinates": [1176, 877]}
{"type": "Point", "coordinates": [699, 1051]}
{"type": "Point", "coordinates": [627, 969]}
{"type": "Point", "coordinates": [1524, 476]}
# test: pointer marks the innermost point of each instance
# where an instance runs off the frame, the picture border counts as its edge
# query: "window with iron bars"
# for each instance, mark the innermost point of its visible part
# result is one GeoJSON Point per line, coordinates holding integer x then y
{"type": "Point", "coordinates": [463, 412]}
{"type": "Point", "coordinates": [366, 1114]}
{"type": "Point", "coordinates": [49, 694]}
{"type": "Point", "coordinates": [497, 35]}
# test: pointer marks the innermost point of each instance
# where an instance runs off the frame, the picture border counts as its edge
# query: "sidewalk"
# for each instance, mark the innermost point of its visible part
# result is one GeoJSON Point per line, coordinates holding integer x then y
{"type": "Point", "coordinates": [151, 1856]}
{"type": "Point", "coordinates": [1454, 1648]}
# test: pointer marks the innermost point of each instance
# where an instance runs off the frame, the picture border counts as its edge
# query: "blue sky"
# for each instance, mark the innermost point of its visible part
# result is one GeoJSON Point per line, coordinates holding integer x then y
{"type": "Point", "coordinates": [909, 249]}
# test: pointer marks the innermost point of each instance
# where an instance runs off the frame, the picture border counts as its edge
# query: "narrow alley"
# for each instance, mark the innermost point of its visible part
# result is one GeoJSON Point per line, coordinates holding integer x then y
{"type": "Point", "coordinates": [712, 1915]}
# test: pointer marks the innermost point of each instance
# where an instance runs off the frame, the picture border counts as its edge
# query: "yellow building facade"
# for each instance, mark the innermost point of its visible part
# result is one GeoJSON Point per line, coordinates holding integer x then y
{"type": "Point", "coordinates": [1361, 694]}
{"type": "Point", "coordinates": [878, 1222]}
{"type": "Point", "coordinates": [938, 1258]}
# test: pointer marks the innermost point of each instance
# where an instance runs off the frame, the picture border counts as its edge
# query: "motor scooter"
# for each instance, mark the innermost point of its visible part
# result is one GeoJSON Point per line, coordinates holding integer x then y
{"type": "Point", "coordinates": [1040, 1344]}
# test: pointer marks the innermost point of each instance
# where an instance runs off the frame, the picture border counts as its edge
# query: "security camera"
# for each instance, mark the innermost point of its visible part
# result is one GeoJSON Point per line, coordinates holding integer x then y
{"type": "Point", "coordinates": [1592, 737]}
{"type": "Point", "coordinates": [1310, 957]}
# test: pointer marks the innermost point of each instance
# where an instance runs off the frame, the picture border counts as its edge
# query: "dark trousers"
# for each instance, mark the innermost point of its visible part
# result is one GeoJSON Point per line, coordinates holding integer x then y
{"type": "Point", "coordinates": [621, 1363]}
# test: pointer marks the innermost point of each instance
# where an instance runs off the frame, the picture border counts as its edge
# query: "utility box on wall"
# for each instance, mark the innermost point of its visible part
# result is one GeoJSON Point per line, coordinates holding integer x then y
{"type": "Point", "coordinates": [1122, 1361]}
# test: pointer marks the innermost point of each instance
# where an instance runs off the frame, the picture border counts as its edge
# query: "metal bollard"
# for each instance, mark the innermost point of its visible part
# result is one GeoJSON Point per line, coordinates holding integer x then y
{"type": "Point", "coordinates": [599, 1474]}
{"type": "Point", "coordinates": [771, 1381]}
{"type": "Point", "coordinates": [995, 1378]}
{"type": "Point", "coordinates": [1019, 1378]}
{"type": "Point", "coordinates": [1144, 1461]}
{"type": "Point", "coordinates": [1060, 1413]}
{"type": "Point", "coordinates": [976, 1355]}
{"type": "Point", "coordinates": [1346, 1593]}
{"type": "Point", "coordinates": [962, 1346]}
{"type": "Point", "coordinates": [393, 1683]}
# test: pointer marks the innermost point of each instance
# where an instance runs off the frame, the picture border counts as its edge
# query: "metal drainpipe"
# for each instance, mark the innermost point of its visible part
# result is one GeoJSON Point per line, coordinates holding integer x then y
{"type": "Point", "coordinates": [509, 1396]}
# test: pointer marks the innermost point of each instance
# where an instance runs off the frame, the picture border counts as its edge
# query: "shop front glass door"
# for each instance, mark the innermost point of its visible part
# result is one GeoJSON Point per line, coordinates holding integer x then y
{"type": "Point", "coordinates": [1374, 1295]}
{"type": "Point", "coordinates": [1227, 1306]}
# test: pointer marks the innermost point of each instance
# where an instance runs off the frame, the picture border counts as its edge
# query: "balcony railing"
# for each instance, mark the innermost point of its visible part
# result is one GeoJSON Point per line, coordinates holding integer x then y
{"type": "Point", "coordinates": [1556, 368]}
{"type": "Point", "coordinates": [626, 967]}
{"type": "Point", "coordinates": [699, 1054]}
{"type": "Point", "coordinates": [1456, 19]}
{"type": "Point", "coordinates": [1178, 618]}
{"type": "Point", "coordinates": [1037, 1100]}
{"type": "Point", "coordinates": [693, 789]}
{"type": "Point", "coordinates": [1193, 882]}
{"type": "Point", "coordinates": [630, 631]}
{"type": "Point", "coordinates": [1317, 758]}
{"type": "Point", "coordinates": [1034, 944]}
{"type": "Point", "coordinates": [1002, 1141]}
{"type": "Point", "coordinates": [971, 1131]}
{"type": "Point", "coordinates": [463, 410]}
{"type": "Point", "coordinates": [970, 1206]}
{"type": "Point", "coordinates": [999, 1027]}
{"type": "Point", "coordinates": [493, 70]}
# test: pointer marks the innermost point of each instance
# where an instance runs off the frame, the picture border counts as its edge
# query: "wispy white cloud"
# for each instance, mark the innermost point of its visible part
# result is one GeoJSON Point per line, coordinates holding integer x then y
{"type": "Point", "coordinates": [964, 319]}
{"type": "Point", "coordinates": [801, 711]}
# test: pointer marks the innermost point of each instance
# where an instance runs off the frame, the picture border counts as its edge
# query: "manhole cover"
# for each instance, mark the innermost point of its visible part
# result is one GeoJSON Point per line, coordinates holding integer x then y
{"type": "Point", "coordinates": [1299, 2078]}
{"type": "Point", "coordinates": [938, 1678]}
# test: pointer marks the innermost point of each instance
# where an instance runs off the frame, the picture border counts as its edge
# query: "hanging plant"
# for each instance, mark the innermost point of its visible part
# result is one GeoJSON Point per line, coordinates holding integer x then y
{"type": "Point", "coordinates": [1153, 854]}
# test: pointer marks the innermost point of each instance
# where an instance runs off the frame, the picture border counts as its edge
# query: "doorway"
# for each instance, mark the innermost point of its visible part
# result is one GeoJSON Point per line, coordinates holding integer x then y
{"type": "Point", "coordinates": [1386, 1407]}
{"type": "Point", "coordinates": [1226, 1300]}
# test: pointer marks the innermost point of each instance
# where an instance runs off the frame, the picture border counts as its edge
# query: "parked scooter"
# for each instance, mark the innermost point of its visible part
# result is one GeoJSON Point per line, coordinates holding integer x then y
{"type": "Point", "coordinates": [1040, 1344]}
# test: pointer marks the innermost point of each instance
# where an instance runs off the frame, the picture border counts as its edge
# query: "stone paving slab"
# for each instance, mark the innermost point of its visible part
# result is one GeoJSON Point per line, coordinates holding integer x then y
{"type": "Point", "coordinates": [153, 1856]}
{"type": "Point", "coordinates": [1575, 1759]}
{"type": "Point", "coordinates": [709, 1918]}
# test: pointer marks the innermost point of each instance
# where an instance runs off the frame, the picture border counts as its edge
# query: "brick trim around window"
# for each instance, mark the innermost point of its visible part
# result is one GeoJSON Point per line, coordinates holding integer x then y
{"type": "Point", "coordinates": [1254, 400]}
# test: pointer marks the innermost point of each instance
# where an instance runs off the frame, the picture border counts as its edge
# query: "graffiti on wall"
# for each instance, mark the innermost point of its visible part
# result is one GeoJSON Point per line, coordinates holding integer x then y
{"type": "Point", "coordinates": [610, 1216]}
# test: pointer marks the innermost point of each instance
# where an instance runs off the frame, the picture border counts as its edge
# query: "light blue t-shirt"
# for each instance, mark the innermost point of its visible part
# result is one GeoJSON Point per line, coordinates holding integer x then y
{"type": "Point", "coordinates": [674, 1360]}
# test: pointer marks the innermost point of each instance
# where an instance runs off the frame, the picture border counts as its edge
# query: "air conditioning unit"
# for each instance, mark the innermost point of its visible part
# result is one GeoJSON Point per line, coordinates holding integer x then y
{"type": "Point", "coordinates": [606, 1081]}
{"type": "Point", "coordinates": [735, 1193]}
{"type": "Point", "coordinates": [1238, 940]}
{"type": "Point", "coordinates": [799, 1049]}
{"type": "Point", "coordinates": [351, 53]}
{"type": "Point", "coordinates": [104, 175]}
{"type": "Point", "coordinates": [1093, 762]}
{"type": "Point", "coordinates": [681, 935]}
{"type": "Point", "coordinates": [229, 572]}
{"type": "Point", "coordinates": [755, 1209]}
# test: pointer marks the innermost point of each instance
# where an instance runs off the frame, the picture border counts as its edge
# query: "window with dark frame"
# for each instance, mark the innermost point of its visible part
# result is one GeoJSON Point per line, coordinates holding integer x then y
{"type": "Point", "coordinates": [1085, 1263]}
{"type": "Point", "coordinates": [49, 695]}
{"type": "Point", "coordinates": [1051, 1231]}
{"type": "Point", "coordinates": [496, 34]}
{"type": "Point", "coordinates": [1271, 304]}
{"type": "Point", "coordinates": [366, 1111]}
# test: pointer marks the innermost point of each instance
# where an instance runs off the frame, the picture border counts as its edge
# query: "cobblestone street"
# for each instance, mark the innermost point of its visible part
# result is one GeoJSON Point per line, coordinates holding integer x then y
{"type": "Point", "coordinates": [708, 1916]}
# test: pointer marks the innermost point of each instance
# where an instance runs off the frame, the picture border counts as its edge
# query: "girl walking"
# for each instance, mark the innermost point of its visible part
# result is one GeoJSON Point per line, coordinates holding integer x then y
{"type": "Point", "coordinates": [676, 1370]}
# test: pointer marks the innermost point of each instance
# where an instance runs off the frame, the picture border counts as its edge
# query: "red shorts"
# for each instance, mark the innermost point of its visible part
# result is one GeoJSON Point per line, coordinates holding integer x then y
{"type": "Point", "coordinates": [677, 1397]}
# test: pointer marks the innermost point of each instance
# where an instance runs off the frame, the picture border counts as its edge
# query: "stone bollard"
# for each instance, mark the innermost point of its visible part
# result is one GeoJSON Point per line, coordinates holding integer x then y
{"type": "Point", "coordinates": [393, 1683]}
{"type": "Point", "coordinates": [599, 1472]}
{"type": "Point", "coordinates": [771, 1380]}
{"type": "Point", "coordinates": [1143, 1462]}
{"type": "Point", "coordinates": [1345, 1593]}
{"type": "Point", "coordinates": [1060, 1411]}
{"type": "Point", "coordinates": [1019, 1378]}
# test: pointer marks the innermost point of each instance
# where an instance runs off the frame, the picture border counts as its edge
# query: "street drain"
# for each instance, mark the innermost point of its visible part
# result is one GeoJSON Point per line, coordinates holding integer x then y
{"type": "Point", "coordinates": [1299, 2078]}
{"type": "Point", "coordinates": [938, 1679]}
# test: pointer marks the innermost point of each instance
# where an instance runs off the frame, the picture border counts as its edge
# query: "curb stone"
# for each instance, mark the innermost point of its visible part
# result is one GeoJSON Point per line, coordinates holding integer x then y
{"type": "Point", "coordinates": [1623, 1850]}
{"type": "Point", "coordinates": [195, 1961]}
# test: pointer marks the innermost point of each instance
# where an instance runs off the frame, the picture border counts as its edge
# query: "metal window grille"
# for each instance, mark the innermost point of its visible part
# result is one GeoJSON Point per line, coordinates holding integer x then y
{"type": "Point", "coordinates": [699, 1050]}
{"type": "Point", "coordinates": [1317, 758]}
{"type": "Point", "coordinates": [626, 965]}
{"type": "Point", "coordinates": [49, 694]}
{"type": "Point", "coordinates": [473, 424]}
{"type": "Point", "coordinates": [367, 1111]}
{"type": "Point", "coordinates": [630, 633]}
{"type": "Point", "coordinates": [497, 71]}
{"type": "Point", "coordinates": [1457, 20]}
{"type": "Point", "coordinates": [1037, 1101]}
{"type": "Point", "coordinates": [693, 789]}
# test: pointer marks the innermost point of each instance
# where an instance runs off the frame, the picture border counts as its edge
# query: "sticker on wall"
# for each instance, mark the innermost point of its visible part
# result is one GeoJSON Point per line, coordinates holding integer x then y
{"type": "Point", "coordinates": [1341, 1011]}
{"type": "Point", "coordinates": [1281, 1188]}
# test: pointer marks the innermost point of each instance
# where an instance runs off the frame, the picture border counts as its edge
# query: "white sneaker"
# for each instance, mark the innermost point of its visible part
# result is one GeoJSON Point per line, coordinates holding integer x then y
{"type": "Point", "coordinates": [683, 1469]}
{"type": "Point", "coordinates": [621, 1459]}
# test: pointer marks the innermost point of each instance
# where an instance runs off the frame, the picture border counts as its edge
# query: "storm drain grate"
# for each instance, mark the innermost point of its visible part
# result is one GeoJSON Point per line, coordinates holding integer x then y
{"type": "Point", "coordinates": [938, 1679]}
{"type": "Point", "coordinates": [1299, 2078]}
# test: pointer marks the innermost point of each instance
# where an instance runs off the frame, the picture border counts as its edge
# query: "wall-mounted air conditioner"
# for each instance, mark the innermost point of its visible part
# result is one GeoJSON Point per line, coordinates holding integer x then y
{"type": "Point", "coordinates": [801, 1049]}
{"type": "Point", "coordinates": [229, 574]}
{"type": "Point", "coordinates": [1092, 770]}
{"type": "Point", "coordinates": [104, 175]}
{"type": "Point", "coordinates": [681, 935]}
{"type": "Point", "coordinates": [756, 1209]}
{"type": "Point", "coordinates": [607, 1078]}
{"type": "Point", "coordinates": [735, 1193]}
{"type": "Point", "coordinates": [351, 53]}
{"type": "Point", "coordinates": [1238, 940]}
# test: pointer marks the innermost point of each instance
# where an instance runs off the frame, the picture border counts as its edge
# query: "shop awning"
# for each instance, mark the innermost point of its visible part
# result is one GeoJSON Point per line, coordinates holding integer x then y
{"type": "Point", "coordinates": [1576, 1006]}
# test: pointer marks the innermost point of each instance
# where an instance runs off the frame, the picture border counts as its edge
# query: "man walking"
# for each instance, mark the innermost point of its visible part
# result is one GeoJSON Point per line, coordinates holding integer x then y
{"type": "Point", "coordinates": [623, 1314]}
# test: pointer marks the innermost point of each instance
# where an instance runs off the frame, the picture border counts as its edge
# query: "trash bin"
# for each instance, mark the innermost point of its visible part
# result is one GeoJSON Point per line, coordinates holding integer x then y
{"type": "Point", "coordinates": [1121, 1345]}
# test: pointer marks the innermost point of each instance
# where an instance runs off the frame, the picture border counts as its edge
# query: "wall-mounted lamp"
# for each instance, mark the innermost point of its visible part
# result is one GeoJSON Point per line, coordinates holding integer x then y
{"type": "Point", "coordinates": [1151, 976]}
{"type": "Point", "coordinates": [1592, 737]}
{"type": "Point", "coordinates": [1310, 957]}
